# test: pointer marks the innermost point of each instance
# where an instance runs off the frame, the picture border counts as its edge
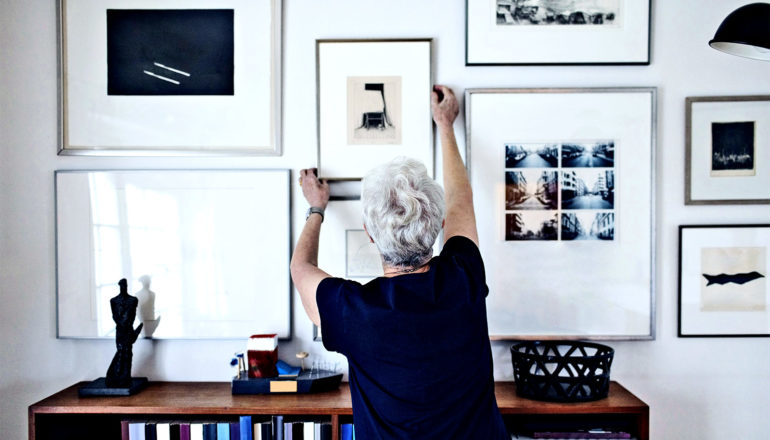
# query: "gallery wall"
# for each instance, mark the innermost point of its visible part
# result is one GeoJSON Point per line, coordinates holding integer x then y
{"type": "Point", "coordinates": [697, 388]}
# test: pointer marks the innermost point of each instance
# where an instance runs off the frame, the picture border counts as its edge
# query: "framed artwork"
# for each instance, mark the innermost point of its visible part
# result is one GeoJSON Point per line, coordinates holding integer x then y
{"type": "Point", "coordinates": [725, 162]}
{"type": "Point", "coordinates": [163, 77]}
{"type": "Point", "coordinates": [563, 183]}
{"type": "Point", "coordinates": [373, 104]}
{"type": "Point", "coordinates": [197, 249]}
{"type": "Point", "coordinates": [723, 280]}
{"type": "Point", "coordinates": [510, 32]}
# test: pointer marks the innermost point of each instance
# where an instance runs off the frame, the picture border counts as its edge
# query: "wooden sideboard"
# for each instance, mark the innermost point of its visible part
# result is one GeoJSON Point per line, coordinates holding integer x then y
{"type": "Point", "coordinates": [64, 415]}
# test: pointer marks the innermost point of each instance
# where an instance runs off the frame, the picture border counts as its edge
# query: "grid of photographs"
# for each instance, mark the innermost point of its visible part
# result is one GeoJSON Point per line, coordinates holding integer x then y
{"type": "Point", "coordinates": [560, 191]}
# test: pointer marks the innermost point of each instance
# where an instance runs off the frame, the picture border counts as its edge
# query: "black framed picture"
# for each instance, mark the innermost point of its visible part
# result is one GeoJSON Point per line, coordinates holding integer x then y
{"type": "Point", "coordinates": [723, 289]}
{"type": "Point", "coordinates": [510, 32]}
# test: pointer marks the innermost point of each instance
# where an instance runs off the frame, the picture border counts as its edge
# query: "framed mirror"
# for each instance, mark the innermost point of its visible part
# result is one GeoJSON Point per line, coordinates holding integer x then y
{"type": "Point", "coordinates": [206, 252]}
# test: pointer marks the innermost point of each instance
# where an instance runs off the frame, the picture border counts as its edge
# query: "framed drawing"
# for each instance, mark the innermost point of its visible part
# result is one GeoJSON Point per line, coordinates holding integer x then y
{"type": "Point", "coordinates": [373, 104]}
{"type": "Point", "coordinates": [563, 184]}
{"type": "Point", "coordinates": [723, 280]}
{"type": "Point", "coordinates": [724, 159]}
{"type": "Point", "coordinates": [163, 77]}
{"type": "Point", "coordinates": [196, 247]}
{"type": "Point", "coordinates": [508, 32]}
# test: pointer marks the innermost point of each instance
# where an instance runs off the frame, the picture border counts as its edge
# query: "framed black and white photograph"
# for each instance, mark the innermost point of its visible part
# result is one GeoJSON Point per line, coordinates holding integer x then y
{"type": "Point", "coordinates": [587, 225]}
{"type": "Point", "coordinates": [724, 161]}
{"type": "Point", "coordinates": [373, 104]}
{"type": "Point", "coordinates": [531, 225]}
{"type": "Point", "coordinates": [723, 280]}
{"type": "Point", "coordinates": [170, 78]}
{"type": "Point", "coordinates": [531, 189]}
{"type": "Point", "coordinates": [588, 189]}
{"type": "Point", "coordinates": [575, 233]}
{"type": "Point", "coordinates": [508, 32]}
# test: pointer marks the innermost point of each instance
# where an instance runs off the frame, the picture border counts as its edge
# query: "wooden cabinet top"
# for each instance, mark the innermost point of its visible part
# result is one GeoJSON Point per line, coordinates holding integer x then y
{"type": "Point", "coordinates": [209, 398]}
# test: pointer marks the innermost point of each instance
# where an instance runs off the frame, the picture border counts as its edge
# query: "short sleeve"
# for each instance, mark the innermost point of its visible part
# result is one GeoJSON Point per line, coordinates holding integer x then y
{"type": "Point", "coordinates": [464, 252]}
{"type": "Point", "coordinates": [330, 308]}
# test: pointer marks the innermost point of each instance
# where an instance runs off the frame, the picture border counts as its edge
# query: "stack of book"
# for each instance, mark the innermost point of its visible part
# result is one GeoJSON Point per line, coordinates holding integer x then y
{"type": "Point", "coordinates": [274, 428]}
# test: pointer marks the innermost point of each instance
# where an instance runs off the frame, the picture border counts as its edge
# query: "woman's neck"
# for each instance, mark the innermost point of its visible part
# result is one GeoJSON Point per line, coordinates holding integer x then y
{"type": "Point", "coordinates": [394, 271]}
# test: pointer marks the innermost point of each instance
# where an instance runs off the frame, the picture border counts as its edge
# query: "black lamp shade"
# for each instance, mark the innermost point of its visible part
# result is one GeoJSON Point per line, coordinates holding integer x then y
{"type": "Point", "coordinates": [745, 32]}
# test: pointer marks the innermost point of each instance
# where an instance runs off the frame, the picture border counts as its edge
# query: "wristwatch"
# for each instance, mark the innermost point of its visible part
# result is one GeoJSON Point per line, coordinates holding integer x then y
{"type": "Point", "coordinates": [315, 210]}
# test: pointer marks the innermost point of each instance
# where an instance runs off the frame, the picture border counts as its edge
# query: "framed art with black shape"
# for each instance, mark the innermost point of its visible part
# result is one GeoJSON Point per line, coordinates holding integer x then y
{"type": "Point", "coordinates": [723, 280]}
{"type": "Point", "coordinates": [563, 183]}
{"type": "Point", "coordinates": [373, 104]}
{"type": "Point", "coordinates": [539, 32]}
{"type": "Point", "coordinates": [725, 163]}
{"type": "Point", "coordinates": [196, 247]}
{"type": "Point", "coordinates": [141, 77]}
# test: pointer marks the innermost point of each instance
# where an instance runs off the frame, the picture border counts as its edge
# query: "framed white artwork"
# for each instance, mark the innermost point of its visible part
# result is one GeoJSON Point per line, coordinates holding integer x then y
{"type": "Point", "coordinates": [163, 77]}
{"type": "Point", "coordinates": [723, 280]}
{"type": "Point", "coordinates": [563, 183]}
{"type": "Point", "coordinates": [725, 159]}
{"type": "Point", "coordinates": [510, 32]}
{"type": "Point", "coordinates": [206, 252]}
{"type": "Point", "coordinates": [373, 104]}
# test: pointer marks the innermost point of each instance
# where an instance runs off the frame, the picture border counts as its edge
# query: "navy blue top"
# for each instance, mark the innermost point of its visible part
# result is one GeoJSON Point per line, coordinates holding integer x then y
{"type": "Point", "coordinates": [418, 349]}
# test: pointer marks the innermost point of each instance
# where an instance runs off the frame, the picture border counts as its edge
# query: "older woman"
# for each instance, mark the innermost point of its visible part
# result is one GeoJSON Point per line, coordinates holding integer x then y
{"type": "Point", "coordinates": [416, 338]}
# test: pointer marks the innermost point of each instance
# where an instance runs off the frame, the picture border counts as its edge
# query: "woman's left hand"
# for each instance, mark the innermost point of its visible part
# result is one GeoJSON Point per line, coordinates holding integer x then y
{"type": "Point", "coordinates": [316, 191]}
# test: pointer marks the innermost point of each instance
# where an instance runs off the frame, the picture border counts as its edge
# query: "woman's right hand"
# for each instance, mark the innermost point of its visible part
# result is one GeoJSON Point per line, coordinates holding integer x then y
{"type": "Point", "coordinates": [444, 106]}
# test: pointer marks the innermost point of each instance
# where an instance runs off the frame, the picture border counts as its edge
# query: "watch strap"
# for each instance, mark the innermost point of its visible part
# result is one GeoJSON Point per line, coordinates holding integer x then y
{"type": "Point", "coordinates": [315, 210]}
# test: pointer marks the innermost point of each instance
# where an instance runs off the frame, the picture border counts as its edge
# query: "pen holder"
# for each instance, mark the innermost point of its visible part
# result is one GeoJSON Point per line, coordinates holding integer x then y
{"type": "Point", "coordinates": [262, 356]}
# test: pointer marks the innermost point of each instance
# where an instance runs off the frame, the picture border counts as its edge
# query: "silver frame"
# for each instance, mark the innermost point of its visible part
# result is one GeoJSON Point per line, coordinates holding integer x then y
{"type": "Point", "coordinates": [288, 172]}
{"type": "Point", "coordinates": [688, 200]}
{"type": "Point", "coordinates": [653, 190]}
{"type": "Point", "coordinates": [318, 92]}
{"type": "Point", "coordinates": [64, 149]}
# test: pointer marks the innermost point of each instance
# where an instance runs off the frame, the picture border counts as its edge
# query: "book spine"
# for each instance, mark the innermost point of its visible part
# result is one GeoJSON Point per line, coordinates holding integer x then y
{"type": "Point", "coordinates": [245, 428]}
{"type": "Point", "coordinates": [136, 431]}
{"type": "Point", "coordinates": [278, 428]}
{"type": "Point", "coordinates": [149, 432]}
{"type": "Point", "coordinates": [346, 431]}
{"type": "Point", "coordinates": [184, 431]}
{"type": "Point", "coordinates": [163, 431]}
{"type": "Point", "coordinates": [308, 429]}
{"type": "Point", "coordinates": [326, 431]}
{"type": "Point", "coordinates": [223, 431]}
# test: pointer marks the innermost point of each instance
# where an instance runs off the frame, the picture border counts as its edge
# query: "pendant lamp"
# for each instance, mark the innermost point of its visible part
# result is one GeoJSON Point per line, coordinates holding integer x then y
{"type": "Point", "coordinates": [745, 32]}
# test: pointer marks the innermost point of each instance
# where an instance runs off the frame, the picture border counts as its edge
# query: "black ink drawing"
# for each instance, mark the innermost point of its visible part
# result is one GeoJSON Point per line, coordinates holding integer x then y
{"type": "Point", "coordinates": [374, 110]}
{"type": "Point", "coordinates": [738, 278]}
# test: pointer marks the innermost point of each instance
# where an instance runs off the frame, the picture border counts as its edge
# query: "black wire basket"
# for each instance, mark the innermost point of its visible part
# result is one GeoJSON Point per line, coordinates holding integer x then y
{"type": "Point", "coordinates": [562, 371]}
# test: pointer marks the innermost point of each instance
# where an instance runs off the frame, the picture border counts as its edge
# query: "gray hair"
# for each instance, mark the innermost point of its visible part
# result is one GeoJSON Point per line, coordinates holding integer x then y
{"type": "Point", "coordinates": [403, 210]}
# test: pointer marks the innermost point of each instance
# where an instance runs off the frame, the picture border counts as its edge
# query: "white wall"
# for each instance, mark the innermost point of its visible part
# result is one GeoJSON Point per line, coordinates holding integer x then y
{"type": "Point", "coordinates": [696, 388]}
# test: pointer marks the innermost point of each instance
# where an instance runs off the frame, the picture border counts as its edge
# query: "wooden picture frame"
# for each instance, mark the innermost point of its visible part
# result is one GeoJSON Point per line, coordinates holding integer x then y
{"type": "Point", "coordinates": [549, 276]}
{"type": "Point", "coordinates": [169, 79]}
{"type": "Point", "coordinates": [384, 88]}
{"type": "Point", "coordinates": [720, 129]}
{"type": "Point", "coordinates": [509, 32]}
{"type": "Point", "coordinates": [722, 281]}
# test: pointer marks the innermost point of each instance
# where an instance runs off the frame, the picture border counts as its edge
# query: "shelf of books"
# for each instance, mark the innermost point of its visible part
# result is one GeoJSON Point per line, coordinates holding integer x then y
{"type": "Point", "coordinates": [208, 410]}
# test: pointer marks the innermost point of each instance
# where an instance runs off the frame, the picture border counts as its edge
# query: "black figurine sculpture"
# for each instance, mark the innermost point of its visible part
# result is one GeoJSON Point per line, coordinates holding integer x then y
{"type": "Point", "coordinates": [119, 381]}
{"type": "Point", "coordinates": [123, 313]}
